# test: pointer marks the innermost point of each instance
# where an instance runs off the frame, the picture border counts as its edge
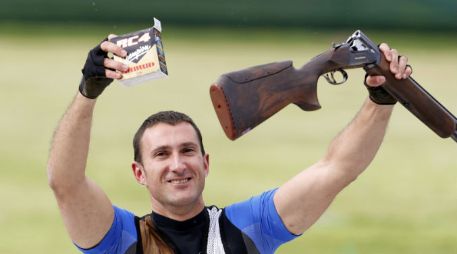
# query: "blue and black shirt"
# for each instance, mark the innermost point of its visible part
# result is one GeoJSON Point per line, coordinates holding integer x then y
{"type": "Point", "coordinates": [251, 226]}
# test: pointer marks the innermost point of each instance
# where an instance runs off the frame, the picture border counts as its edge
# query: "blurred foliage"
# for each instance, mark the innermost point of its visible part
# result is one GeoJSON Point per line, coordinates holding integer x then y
{"type": "Point", "coordinates": [388, 14]}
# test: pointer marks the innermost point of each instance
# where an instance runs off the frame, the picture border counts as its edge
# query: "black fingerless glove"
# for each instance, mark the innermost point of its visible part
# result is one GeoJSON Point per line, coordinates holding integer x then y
{"type": "Point", "coordinates": [94, 79]}
{"type": "Point", "coordinates": [379, 95]}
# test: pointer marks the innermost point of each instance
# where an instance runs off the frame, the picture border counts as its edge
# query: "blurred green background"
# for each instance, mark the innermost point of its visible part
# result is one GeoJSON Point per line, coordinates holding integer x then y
{"type": "Point", "coordinates": [406, 202]}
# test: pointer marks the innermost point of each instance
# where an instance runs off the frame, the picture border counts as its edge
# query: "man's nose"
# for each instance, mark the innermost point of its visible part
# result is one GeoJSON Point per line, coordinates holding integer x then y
{"type": "Point", "coordinates": [177, 164]}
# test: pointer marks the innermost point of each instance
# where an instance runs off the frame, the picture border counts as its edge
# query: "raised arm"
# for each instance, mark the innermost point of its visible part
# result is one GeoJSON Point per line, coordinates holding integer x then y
{"type": "Point", "coordinates": [86, 210]}
{"type": "Point", "coordinates": [303, 199]}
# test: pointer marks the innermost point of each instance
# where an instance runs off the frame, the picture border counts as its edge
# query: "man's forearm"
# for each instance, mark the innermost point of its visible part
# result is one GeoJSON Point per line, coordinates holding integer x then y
{"type": "Point", "coordinates": [355, 147]}
{"type": "Point", "coordinates": [70, 145]}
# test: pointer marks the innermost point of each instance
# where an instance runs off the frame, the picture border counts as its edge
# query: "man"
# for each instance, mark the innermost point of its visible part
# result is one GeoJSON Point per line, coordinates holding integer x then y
{"type": "Point", "coordinates": [171, 163]}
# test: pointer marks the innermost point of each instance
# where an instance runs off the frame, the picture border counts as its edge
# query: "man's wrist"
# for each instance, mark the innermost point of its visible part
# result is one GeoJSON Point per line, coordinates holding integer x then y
{"type": "Point", "coordinates": [378, 94]}
{"type": "Point", "coordinates": [92, 87]}
{"type": "Point", "coordinates": [83, 99]}
{"type": "Point", "coordinates": [384, 111]}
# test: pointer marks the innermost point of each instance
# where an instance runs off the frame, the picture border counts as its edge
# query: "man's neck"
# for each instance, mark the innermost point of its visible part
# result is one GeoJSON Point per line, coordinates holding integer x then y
{"type": "Point", "coordinates": [178, 213]}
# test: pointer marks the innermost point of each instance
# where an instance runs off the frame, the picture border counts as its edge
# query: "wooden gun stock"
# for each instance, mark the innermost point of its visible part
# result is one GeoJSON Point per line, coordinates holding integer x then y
{"type": "Point", "coordinates": [245, 98]}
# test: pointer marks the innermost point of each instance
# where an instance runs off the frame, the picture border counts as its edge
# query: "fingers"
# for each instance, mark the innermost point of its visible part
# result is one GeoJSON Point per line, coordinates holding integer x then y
{"type": "Point", "coordinates": [112, 74]}
{"type": "Point", "coordinates": [115, 65]}
{"type": "Point", "coordinates": [393, 61]}
{"type": "Point", "coordinates": [398, 63]}
{"type": "Point", "coordinates": [402, 62]}
{"type": "Point", "coordinates": [375, 80]}
{"type": "Point", "coordinates": [385, 49]}
{"type": "Point", "coordinates": [111, 36]}
{"type": "Point", "coordinates": [113, 68]}
{"type": "Point", "coordinates": [110, 47]}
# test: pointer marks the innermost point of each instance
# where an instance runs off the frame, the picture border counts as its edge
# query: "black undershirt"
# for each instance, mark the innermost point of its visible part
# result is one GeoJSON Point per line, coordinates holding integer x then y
{"type": "Point", "coordinates": [187, 237]}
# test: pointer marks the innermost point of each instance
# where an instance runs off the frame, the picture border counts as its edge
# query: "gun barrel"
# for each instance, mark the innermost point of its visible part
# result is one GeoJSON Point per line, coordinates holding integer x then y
{"type": "Point", "coordinates": [417, 100]}
{"type": "Point", "coordinates": [454, 135]}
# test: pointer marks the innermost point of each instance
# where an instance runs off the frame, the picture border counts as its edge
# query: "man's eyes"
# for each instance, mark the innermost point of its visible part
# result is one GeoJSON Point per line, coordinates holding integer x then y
{"type": "Point", "coordinates": [185, 150]}
{"type": "Point", "coordinates": [160, 154]}
{"type": "Point", "coordinates": [188, 150]}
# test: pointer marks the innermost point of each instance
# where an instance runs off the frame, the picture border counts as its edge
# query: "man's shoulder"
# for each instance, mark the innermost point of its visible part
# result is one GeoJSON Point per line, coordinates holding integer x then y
{"type": "Point", "coordinates": [261, 199]}
{"type": "Point", "coordinates": [258, 219]}
{"type": "Point", "coordinates": [121, 237]}
{"type": "Point", "coordinates": [124, 214]}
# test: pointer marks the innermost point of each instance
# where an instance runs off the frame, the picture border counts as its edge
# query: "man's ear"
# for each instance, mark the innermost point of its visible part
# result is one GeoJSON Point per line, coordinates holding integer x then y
{"type": "Point", "coordinates": [138, 172]}
{"type": "Point", "coordinates": [206, 164]}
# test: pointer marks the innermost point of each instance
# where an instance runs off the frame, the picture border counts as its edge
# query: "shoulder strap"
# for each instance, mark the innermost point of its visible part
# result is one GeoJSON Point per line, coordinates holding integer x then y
{"type": "Point", "coordinates": [152, 242]}
{"type": "Point", "coordinates": [234, 240]}
{"type": "Point", "coordinates": [139, 245]}
{"type": "Point", "coordinates": [214, 245]}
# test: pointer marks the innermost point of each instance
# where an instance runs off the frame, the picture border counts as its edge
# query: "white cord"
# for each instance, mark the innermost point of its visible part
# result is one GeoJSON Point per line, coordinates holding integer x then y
{"type": "Point", "coordinates": [214, 245]}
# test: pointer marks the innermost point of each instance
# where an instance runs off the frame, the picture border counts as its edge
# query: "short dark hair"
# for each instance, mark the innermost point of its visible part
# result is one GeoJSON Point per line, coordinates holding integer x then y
{"type": "Point", "coordinates": [168, 117]}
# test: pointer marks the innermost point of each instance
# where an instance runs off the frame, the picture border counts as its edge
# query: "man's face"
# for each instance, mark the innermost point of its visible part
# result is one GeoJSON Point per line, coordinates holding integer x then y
{"type": "Point", "coordinates": [173, 167]}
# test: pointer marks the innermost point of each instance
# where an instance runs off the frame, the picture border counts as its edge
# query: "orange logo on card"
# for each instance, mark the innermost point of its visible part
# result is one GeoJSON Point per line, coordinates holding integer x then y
{"type": "Point", "coordinates": [139, 67]}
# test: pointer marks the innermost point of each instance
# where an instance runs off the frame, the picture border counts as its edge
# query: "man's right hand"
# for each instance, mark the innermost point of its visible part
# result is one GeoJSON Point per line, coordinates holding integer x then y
{"type": "Point", "coordinates": [398, 66]}
{"type": "Point", "coordinates": [99, 70]}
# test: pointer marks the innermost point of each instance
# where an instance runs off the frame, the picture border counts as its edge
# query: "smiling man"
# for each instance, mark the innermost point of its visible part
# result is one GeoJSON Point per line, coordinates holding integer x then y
{"type": "Point", "coordinates": [171, 162]}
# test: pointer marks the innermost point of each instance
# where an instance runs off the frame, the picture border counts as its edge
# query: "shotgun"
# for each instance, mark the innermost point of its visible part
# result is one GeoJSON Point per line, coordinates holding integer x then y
{"type": "Point", "coordinates": [244, 99]}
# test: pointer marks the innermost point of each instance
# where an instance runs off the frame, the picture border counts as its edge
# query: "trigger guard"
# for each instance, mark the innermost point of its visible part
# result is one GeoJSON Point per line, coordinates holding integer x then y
{"type": "Point", "coordinates": [329, 76]}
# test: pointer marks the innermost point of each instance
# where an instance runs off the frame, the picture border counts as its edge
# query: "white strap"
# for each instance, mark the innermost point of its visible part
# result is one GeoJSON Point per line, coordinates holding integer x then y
{"type": "Point", "coordinates": [214, 245]}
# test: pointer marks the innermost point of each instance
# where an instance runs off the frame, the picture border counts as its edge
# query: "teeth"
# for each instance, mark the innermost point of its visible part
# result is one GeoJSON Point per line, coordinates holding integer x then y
{"type": "Point", "coordinates": [180, 181]}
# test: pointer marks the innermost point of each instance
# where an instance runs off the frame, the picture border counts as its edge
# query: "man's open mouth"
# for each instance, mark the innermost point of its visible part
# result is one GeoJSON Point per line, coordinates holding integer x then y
{"type": "Point", "coordinates": [179, 181]}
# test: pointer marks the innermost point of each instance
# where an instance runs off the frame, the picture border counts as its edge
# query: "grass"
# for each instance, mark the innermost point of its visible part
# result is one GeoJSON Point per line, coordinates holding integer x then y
{"type": "Point", "coordinates": [405, 202]}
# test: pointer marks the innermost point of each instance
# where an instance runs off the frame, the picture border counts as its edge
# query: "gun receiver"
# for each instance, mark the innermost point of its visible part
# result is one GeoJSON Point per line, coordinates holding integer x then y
{"type": "Point", "coordinates": [244, 99]}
